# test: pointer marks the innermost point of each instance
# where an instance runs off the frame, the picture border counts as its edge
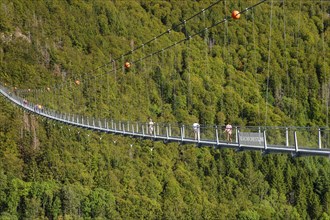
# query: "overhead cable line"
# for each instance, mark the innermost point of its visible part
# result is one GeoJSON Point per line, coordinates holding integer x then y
{"type": "Point", "coordinates": [115, 68]}
{"type": "Point", "coordinates": [156, 37]}
{"type": "Point", "coordinates": [193, 35]}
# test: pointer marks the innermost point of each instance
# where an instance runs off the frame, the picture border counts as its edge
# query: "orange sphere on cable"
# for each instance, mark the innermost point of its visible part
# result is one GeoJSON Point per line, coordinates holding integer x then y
{"type": "Point", "coordinates": [235, 14]}
{"type": "Point", "coordinates": [127, 65]}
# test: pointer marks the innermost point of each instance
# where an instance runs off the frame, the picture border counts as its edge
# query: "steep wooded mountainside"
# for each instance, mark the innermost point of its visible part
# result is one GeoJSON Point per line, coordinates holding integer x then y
{"type": "Point", "coordinates": [270, 67]}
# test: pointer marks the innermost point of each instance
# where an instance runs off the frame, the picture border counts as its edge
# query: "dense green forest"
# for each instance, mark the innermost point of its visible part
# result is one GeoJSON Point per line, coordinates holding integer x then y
{"type": "Point", "coordinates": [270, 67]}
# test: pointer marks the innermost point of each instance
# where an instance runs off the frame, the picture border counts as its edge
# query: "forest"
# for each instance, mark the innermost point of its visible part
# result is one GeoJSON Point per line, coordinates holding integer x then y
{"type": "Point", "coordinates": [190, 61]}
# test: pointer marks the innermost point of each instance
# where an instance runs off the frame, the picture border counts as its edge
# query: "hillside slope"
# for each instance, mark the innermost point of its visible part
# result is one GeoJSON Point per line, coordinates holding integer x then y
{"type": "Point", "coordinates": [251, 71]}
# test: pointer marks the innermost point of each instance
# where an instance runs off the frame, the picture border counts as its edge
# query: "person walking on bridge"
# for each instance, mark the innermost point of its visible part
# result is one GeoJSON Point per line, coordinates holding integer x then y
{"type": "Point", "coordinates": [229, 132]}
{"type": "Point", "coordinates": [151, 126]}
{"type": "Point", "coordinates": [196, 127]}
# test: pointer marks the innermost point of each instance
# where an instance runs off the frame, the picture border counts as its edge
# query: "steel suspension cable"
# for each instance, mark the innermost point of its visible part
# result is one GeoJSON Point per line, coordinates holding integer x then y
{"type": "Point", "coordinates": [297, 55]}
{"type": "Point", "coordinates": [269, 48]}
{"type": "Point", "coordinates": [158, 36]}
{"type": "Point", "coordinates": [190, 36]}
{"type": "Point", "coordinates": [285, 47]}
{"type": "Point", "coordinates": [327, 84]}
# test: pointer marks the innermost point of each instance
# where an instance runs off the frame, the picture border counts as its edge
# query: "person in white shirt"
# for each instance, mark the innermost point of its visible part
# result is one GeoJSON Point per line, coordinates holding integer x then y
{"type": "Point", "coordinates": [229, 132]}
{"type": "Point", "coordinates": [151, 126]}
{"type": "Point", "coordinates": [196, 130]}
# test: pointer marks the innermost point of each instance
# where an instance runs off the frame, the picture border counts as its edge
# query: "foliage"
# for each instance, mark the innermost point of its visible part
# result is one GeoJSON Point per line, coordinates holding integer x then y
{"type": "Point", "coordinates": [242, 71]}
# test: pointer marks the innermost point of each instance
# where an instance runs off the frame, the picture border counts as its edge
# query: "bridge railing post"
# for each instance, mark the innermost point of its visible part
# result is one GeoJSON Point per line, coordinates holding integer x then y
{"type": "Point", "coordinates": [182, 132]}
{"type": "Point", "coordinates": [296, 142]}
{"type": "Point", "coordinates": [217, 134]}
{"type": "Point", "coordinates": [286, 137]}
{"type": "Point", "coordinates": [265, 141]}
{"type": "Point", "coordinates": [236, 132]}
{"type": "Point", "coordinates": [154, 131]}
{"type": "Point", "coordinates": [167, 132]}
{"type": "Point", "coordinates": [320, 138]}
{"type": "Point", "coordinates": [199, 134]}
{"type": "Point", "coordinates": [237, 138]}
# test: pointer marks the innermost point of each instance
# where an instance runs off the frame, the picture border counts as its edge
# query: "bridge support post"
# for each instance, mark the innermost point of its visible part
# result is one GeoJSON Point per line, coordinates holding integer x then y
{"type": "Point", "coordinates": [320, 139]}
{"type": "Point", "coordinates": [217, 134]}
{"type": "Point", "coordinates": [143, 130]}
{"type": "Point", "coordinates": [167, 133]}
{"type": "Point", "coordinates": [199, 134]}
{"type": "Point", "coordinates": [169, 130]}
{"type": "Point", "coordinates": [182, 132]}
{"type": "Point", "coordinates": [265, 142]}
{"type": "Point", "coordinates": [296, 143]}
{"type": "Point", "coordinates": [154, 132]}
{"type": "Point", "coordinates": [287, 137]}
{"type": "Point", "coordinates": [237, 140]}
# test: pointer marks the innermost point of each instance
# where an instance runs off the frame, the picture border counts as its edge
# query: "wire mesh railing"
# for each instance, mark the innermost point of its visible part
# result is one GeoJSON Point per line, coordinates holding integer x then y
{"type": "Point", "coordinates": [285, 137]}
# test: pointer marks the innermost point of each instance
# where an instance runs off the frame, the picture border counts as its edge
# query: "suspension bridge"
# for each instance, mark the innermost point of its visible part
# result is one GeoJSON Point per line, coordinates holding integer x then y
{"type": "Point", "coordinates": [247, 138]}
{"type": "Point", "coordinates": [297, 141]}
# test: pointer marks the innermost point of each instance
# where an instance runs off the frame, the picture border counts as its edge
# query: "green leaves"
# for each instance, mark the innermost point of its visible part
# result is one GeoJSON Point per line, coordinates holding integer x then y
{"type": "Point", "coordinates": [54, 171]}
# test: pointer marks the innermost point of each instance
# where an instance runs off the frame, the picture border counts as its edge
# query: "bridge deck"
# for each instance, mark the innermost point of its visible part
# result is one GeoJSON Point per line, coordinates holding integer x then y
{"type": "Point", "coordinates": [162, 133]}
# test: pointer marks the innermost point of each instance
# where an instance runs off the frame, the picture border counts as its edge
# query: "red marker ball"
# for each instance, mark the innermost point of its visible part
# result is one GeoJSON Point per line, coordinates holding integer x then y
{"type": "Point", "coordinates": [235, 14]}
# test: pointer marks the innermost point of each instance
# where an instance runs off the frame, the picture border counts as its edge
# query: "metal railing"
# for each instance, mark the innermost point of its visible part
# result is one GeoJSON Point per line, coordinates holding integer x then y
{"type": "Point", "coordinates": [298, 141]}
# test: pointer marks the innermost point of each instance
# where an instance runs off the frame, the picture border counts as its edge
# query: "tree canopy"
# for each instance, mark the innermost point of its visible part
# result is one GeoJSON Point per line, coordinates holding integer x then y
{"type": "Point", "coordinates": [270, 67]}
